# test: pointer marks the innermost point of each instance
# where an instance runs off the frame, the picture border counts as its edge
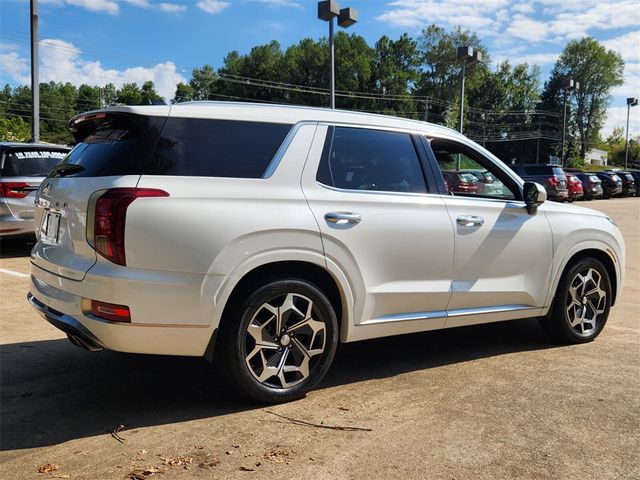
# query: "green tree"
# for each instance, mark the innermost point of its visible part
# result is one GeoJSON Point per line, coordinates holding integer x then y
{"type": "Point", "coordinates": [148, 94]}
{"type": "Point", "coordinates": [598, 70]}
{"type": "Point", "coordinates": [184, 93]}
{"type": "Point", "coordinates": [109, 95]}
{"type": "Point", "coordinates": [88, 98]}
{"type": "Point", "coordinates": [129, 94]}
{"type": "Point", "coordinates": [14, 129]}
{"type": "Point", "coordinates": [395, 72]}
{"type": "Point", "coordinates": [441, 69]}
{"type": "Point", "coordinates": [203, 83]}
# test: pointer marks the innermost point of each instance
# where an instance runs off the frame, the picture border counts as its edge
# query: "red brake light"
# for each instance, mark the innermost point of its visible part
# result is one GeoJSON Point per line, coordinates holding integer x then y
{"type": "Point", "coordinates": [110, 218]}
{"type": "Point", "coordinates": [553, 181]}
{"type": "Point", "coordinates": [13, 189]}
{"type": "Point", "coordinates": [110, 311]}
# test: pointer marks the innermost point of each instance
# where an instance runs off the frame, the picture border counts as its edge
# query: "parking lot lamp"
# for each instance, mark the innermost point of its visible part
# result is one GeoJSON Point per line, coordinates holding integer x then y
{"type": "Point", "coordinates": [327, 11]}
{"type": "Point", "coordinates": [567, 85]}
{"type": "Point", "coordinates": [631, 102]}
{"type": "Point", "coordinates": [468, 56]}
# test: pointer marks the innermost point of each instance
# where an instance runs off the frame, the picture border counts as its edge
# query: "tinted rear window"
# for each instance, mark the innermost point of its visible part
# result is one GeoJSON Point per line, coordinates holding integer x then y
{"type": "Point", "coordinates": [117, 144]}
{"type": "Point", "coordinates": [538, 170]}
{"type": "Point", "coordinates": [30, 162]}
{"type": "Point", "coordinates": [216, 148]}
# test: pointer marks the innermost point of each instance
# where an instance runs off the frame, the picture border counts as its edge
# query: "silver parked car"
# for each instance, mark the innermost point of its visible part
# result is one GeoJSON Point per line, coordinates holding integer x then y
{"type": "Point", "coordinates": [23, 166]}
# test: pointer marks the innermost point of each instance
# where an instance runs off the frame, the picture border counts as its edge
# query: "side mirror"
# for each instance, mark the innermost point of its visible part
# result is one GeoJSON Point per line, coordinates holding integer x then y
{"type": "Point", "coordinates": [534, 195]}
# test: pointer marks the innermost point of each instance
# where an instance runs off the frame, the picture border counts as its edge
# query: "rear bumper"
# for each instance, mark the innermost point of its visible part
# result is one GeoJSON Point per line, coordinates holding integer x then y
{"type": "Point", "coordinates": [171, 312]}
{"type": "Point", "coordinates": [14, 227]}
{"type": "Point", "coordinates": [76, 332]}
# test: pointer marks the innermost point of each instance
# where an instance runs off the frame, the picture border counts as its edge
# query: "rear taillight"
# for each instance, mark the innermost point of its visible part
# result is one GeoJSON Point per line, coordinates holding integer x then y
{"type": "Point", "coordinates": [110, 218]}
{"type": "Point", "coordinates": [110, 311]}
{"type": "Point", "coordinates": [13, 189]}
{"type": "Point", "coordinates": [553, 181]}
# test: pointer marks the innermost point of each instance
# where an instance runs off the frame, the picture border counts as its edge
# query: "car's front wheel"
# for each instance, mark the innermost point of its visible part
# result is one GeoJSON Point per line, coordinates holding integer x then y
{"type": "Point", "coordinates": [581, 305]}
{"type": "Point", "coordinates": [280, 342]}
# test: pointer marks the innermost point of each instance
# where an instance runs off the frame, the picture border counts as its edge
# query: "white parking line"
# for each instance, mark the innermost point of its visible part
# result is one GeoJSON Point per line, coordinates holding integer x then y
{"type": "Point", "coordinates": [15, 274]}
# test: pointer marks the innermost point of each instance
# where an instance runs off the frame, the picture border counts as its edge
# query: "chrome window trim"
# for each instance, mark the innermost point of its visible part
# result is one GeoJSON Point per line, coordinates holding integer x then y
{"type": "Point", "coordinates": [284, 146]}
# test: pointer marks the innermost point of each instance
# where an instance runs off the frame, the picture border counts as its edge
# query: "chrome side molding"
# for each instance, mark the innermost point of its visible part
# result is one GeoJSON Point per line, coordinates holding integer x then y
{"type": "Point", "coordinates": [439, 314]}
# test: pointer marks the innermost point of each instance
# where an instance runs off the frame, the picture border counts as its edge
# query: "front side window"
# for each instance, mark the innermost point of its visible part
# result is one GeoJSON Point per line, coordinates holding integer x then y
{"type": "Point", "coordinates": [375, 160]}
{"type": "Point", "coordinates": [467, 173]}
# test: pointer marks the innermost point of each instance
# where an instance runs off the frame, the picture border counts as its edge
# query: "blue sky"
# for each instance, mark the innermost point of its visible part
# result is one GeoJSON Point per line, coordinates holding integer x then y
{"type": "Point", "coordinates": [102, 41]}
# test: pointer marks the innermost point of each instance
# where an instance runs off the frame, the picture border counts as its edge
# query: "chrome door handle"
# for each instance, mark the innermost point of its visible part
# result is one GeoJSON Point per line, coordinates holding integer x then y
{"type": "Point", "coordinates": [343, 218]}
{"type": "Point", "coordinates": [470, 221]}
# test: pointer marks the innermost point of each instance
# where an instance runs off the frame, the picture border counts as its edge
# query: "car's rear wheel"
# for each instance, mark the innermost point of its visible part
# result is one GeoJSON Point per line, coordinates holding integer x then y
{"type": "Point", "coordinates": [581, 305]}
{"type": "Point", "coordinates": [280, 342]}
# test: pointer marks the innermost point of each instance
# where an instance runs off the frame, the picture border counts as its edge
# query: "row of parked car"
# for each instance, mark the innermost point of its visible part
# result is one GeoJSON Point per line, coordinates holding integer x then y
{"type": "Point", "coordinates": [570, 184]}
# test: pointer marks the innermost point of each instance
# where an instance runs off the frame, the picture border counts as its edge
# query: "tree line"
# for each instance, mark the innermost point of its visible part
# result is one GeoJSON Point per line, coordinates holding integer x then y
{"type": "Point", "coordinates": [507, 106]}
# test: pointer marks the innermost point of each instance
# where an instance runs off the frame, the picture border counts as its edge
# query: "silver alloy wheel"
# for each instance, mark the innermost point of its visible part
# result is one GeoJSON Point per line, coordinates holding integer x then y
{"type": "Point", "coordinates": [586, 301]}
{"type": "Point", "coordinates": [283, 341]}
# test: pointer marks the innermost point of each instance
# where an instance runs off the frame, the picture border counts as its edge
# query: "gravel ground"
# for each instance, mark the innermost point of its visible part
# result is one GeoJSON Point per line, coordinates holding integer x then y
{"type": "Point", "coordinates": [491, 401]}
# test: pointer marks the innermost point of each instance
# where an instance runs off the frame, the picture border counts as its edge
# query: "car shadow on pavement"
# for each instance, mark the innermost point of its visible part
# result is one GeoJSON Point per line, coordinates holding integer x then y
{"type": "Point", "coordinates": [53, 392]}
{"type": "Point", "coordinates": [16, 247]}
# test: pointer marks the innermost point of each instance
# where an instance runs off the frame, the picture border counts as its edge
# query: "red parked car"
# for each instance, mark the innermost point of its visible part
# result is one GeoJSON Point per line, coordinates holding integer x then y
{"type": "Point", "coordinates": [461, 182]}
{"type": "Point", "coordinates": [574, 186]}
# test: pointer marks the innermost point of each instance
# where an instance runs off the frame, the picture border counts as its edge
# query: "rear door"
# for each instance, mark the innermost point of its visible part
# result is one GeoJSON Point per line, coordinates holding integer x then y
{"type": "Point", "coordinates": [111, 151]}
{"type": "Point", "coordinates": [367, 191]}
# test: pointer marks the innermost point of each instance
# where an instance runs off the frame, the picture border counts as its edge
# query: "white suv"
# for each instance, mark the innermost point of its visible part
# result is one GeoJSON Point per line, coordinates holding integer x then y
{"type": "Point", "coordinates": [261, 236]}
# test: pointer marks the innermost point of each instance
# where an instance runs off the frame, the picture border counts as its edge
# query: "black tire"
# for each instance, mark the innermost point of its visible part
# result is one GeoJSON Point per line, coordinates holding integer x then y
{"type": "Point", "coordinates": [572, 301]}
{"type": "Point", "coordinates": [235, 345]}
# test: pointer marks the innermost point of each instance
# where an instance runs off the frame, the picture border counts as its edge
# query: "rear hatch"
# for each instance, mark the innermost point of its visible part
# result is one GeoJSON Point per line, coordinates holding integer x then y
{"type": "Point", "coordinates": [111, 151]}
{"type": "Point", "coordinates": [21, 172]}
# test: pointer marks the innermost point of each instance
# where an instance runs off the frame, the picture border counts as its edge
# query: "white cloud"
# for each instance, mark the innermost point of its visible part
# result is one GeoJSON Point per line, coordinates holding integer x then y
{"type": "Point", "coordinates": [516, 58]}
{"type": "Point", "coordinates": [281, 3]}
{"type": "Point", "coordinates": [63, 62]}
{"type": "Point", "coordinates": [534, 21]}
{"type": "Point", "coordinates": [526, 28]}
{"type": "Point", "coordinates": [631, 86]}
{"type": "Point", "coordinates": [15, 67]}
{"type": "Point", "coordinates": [109, 6]}
{"type": "Point", "coordinates": [171, 7]}
{"type": "Point", "coordinates": [113, 6]}
{"type": "Point", "coordinates": [617, 117]}
{"type": "Point", "coordinates": [212, 6]}
{"type": "Point", "coordinates": [626, 45]}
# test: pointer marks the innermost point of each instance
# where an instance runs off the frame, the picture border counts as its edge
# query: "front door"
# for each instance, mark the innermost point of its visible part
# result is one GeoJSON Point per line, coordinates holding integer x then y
{"type": "Point", "coordinates": [503, 255]}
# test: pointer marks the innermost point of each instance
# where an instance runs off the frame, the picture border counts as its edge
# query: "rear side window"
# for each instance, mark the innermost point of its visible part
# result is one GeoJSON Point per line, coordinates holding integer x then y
{"type": "Point", "coordinates": [216, 148]}
{"type": "Point", "coordinates": [30, 162]}
{"type": "Point", "coordinates": [363, 159]}
{"type": "Point", "coordinates": [538, 170]}
{"type": "Point", "coordinates": [115, 144]}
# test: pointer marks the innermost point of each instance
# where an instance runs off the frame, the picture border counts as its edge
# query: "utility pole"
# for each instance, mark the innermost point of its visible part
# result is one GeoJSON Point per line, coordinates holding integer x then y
{"type": "Point", "coordinates": [426, 110]}
{"type": "Point", "coordinates": [35, 75]}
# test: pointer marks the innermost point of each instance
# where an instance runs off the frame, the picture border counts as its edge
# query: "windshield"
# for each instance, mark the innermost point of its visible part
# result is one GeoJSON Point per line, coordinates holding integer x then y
{"type": "Point", "coordinates": [30, 162]}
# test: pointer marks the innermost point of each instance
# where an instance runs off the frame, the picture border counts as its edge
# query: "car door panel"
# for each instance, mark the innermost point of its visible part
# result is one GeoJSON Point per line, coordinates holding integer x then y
{"type": "Point", "coordinates": [399, 255]}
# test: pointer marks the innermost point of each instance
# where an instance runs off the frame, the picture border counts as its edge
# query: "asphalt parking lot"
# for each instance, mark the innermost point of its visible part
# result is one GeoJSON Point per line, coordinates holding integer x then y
{"type": "Point", "coordinates": [492, 401]}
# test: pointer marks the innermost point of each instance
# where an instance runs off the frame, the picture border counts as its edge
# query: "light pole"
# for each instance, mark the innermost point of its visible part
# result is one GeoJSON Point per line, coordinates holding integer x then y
{"type": "Point", "coordinates": [468, 56]}
{"type": "Point", "coordinates": [631, 102]}
{"type": "Point", "coordinates": [567, 85]}
{"type": "Point", "coordinates": [35, 77]}
{"type": "Point", "coordinates": [327, 11]}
